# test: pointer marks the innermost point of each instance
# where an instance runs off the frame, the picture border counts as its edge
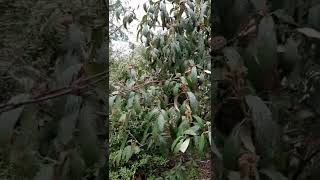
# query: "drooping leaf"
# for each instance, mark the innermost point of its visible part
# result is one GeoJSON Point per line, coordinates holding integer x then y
{"type": "Point", "coordinates": [9, 119]}
{"type": "Point", "coordinates": [161, 122]}
{"type": "Point", "coordinates": [266, 130]}
{"type": "Point", "coordinates": [68, 122]}
{"type": "Point", "coordinates": [87, 133]}
{"type": "Point", "coordinates": [267, 44]}
{"type": "Point", "coordinates": [193, 102]}
{"type": "Point", "coordinates": [231, 151]}
{"type": "Point", "coordinates": [309, 32]}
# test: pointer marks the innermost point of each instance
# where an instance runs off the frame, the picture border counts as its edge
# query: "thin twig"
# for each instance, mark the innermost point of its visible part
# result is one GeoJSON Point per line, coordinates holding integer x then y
{"type": "Point", "coordinates": [56, 93]}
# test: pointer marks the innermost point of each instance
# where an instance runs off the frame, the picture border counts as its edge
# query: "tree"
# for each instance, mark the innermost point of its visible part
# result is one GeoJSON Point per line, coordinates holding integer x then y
{"type": "Point", "coordinates": [169, 98]}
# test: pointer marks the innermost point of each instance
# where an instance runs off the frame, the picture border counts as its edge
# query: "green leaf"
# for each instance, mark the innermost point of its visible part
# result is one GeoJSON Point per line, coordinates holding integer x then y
{"type": "Point", "coordinates": [190, 132]}
{"type": "Point", "coordinates": [202, 142]}
{"type": "Point", "coordinates": [175, 103]}
{"type": "Point", "coordinates": [266, 130]}
{"type": "Point", "coordinates": [161, 122]}
{"type": "Point", "coordinates": [176, 89]}
{"type": "Point", "coordinates": [272, 174]}
{"type": "Point", "coordinates": [245, 136]}
{"type": "Point", "coordinates": [291, 54]}
{"type": "Point", "coordinates": [199, 120]}
{"type": "Point", "coordinates": [234, 58]}
{"type": "Point", "coordinates": [9, 119]}
{"type": "Point", "coordinates": [111, 100]}
{"type": "Point", "coordinates": [309, 32]}
{"type": "Point", "coordinates": [193, 75]}
{"type": "Point", "coordinates": [231, 151]}
{"type": "Point", "coordinates": [135, 149]}
{"type": "Point", "coordinates": [136, 104]}
{"type": "Point", "coordinates": [127, 153]}
{"type": "Point", "coordinates": [68, 122]}
{"type": "Point", "coordinates": [175, 142]}
{"type": "Point", "coordinates": [87, 133]}
{"type": "Point", "coordinates": [152, 113]}
{"type": "Point", "coordinates": [118, 157]}
{"type": "Point", "coordinates": [183, 147]}
{"type": "Point", "coordinates": [145, 134]}
{"type": "Point", "coordinates": [214, 147]}
{"type": "Point", "coordinates": [193, 102]}
{"type": "Point", "coordinates": [267, 44]}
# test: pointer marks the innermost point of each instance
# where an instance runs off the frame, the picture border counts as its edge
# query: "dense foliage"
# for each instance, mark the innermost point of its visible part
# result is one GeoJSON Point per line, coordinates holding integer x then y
{"type": "Point", "coordinates": [53, 66]}
{"type": "Point", "coordinates": [159, 120]}
{"type": "Point", "coordinates": [266, 65]}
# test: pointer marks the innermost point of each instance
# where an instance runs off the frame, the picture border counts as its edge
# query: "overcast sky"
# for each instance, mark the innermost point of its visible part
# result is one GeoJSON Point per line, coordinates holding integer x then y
{"type": "Point", "coordinates": [132, 28]}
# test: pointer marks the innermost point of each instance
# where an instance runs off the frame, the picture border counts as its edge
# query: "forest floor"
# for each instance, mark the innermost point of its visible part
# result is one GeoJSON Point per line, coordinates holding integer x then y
{"type": "Point", "coordinates": [205, 169]}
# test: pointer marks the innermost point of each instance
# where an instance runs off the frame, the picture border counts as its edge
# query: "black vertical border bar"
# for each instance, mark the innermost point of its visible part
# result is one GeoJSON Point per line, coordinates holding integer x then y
{"type": "Point", "coordinates": [107, 84]}
{"type": "Point", "coordinates": [212, 88]}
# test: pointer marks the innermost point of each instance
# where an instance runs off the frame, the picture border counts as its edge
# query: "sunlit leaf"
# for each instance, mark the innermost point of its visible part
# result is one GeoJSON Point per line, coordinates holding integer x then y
{"type": "Point", "coordinates": [183, 147]}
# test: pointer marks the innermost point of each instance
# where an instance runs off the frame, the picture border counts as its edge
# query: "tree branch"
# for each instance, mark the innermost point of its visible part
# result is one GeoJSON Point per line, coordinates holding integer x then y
{"type": "Point", "coordinates": [75, 88]}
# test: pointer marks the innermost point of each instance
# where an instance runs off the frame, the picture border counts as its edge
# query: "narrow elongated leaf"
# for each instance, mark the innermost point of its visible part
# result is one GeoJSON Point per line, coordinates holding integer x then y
{"type": "Point", "coordinates": [193, 102]}
{"type": "Point", "coordinates": [267, 43]}
{"type": "Point", "coordinates": [309, 32]}
{"type": "Point", "coordinates": [87, 133]}
{"type": "Point", "coordinates": [245, 136]}
{"type": "Point", "coordinates": [68, 122]}
{"type": "Point", "coordinates": [231, 151]}
{"type": "Point", "coordinates": [193, 75]}
{"type": "Point", "coordinates": [127, 153]}
{"type": "Point", "coordinates": [202, 142]}
{"type": "Point", "coordinates": [161, 121]}
{"type": "Point", "coordinates": [266, 129]}
{"type": "Point", "coordinates": [9, 119]}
